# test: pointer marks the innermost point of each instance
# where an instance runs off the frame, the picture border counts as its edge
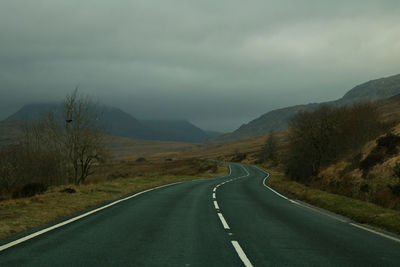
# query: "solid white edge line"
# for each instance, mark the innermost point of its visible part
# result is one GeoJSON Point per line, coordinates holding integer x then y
{"type": "Point", "coordinates": [224, 223]}
{"type": "Point", "coordinates": [323, 213]}
{"type": "Point", "coordinates": [241, 254]}
{"type": "Point", "coordinates": [375, 232]}
{"type": "Point", "coordinates": [319, 211]}
{"type": "Point", "coordinates": [265, 179]}
{"type": "Point", "coordinates": [23, 239]}
{"type": "Point", "coordinates": [216, 205]}
{"type": "Point", "coordinates": [297, 203]}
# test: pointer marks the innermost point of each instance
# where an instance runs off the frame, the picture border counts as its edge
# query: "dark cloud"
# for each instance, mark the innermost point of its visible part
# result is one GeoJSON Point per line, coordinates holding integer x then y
{"type": "Point", "coordinates": [216, 63]}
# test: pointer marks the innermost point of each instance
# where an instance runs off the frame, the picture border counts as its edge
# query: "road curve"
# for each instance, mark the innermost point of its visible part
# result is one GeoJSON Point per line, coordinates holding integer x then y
{"type": "Point", "coordinates": [229, 221]}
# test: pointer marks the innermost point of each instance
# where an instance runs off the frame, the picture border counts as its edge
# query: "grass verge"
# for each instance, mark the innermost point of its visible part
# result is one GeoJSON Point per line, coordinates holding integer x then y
{"type": "Point", "coordinates": [357, 210]}
{"type": "Point", "coordinates": [18, 215]}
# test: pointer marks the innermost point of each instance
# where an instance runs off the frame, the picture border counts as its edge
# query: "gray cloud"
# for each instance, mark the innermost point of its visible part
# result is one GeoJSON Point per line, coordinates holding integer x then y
{"type": "Point", "coordinates": [216, 63]}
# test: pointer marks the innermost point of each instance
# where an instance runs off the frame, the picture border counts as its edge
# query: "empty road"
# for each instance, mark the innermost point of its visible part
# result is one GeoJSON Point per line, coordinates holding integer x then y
{"type": "Point", "coordinates": [230, 221]}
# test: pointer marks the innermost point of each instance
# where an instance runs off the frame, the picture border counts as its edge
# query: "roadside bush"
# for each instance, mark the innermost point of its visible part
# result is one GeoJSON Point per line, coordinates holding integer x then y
{"type": "Point", "coordinates": [374, 158]}
{"type": "Point", "coordinates": [365, 188]}
{"type": "Point", "coordinates": [58, 149]}
{"type": "Point", "coordinates": [239, 157]}
{"type": "Point", "coordinates": [141, 159]}
{"type": "Point", "coordinates": [395, 189]}
{"type": "Point", "coordinates": [68, 190]}
{"type": "Point", "coordinates": [396, 170]}
{"type": "Point", "coordinates": [29, 190]}
{"type": "Point", "coordinates": [321, 137]}
{"type": "Point", "coordinates": [386, 146]}
{"type": "Point", "coordinates": [389, 143]}
{"type": "Point", "coordinates": [270, 150]}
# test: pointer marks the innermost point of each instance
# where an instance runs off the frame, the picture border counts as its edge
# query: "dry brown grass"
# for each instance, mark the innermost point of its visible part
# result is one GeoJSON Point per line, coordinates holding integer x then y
{"type": "Point", "coordinates": [121, 146]}
{"type": "Point", "coordinates": [360, 211]}
{"type": "Point", "coordinates": [118, 179]}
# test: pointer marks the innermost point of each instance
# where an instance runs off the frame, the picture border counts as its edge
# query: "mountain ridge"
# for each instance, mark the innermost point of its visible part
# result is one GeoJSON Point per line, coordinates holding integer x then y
{"type": "Point", "coordinates": [278, 119]}
{"type": "Point", "coordinates": [120, 123]}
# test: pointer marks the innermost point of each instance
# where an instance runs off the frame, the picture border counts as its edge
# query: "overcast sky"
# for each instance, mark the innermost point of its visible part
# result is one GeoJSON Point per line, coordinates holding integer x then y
{"type": "Point", "coordinates": [218, 63]}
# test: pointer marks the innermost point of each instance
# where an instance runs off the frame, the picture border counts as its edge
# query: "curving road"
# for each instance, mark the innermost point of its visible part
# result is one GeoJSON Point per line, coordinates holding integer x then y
{"type": "Point", "coordinates": [230, 221]}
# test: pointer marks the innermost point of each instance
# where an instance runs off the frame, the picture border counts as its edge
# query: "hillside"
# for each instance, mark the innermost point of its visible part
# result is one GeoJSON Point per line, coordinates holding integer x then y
{"type": "Point", "coordinates": [8, 132]}
{"type": "Point", "coordinates": [373, 90]}
{"type": "Point", "coordinates": [278, 119]}
{"type": "Point", "coordinates": [273, 121]}
{"type": "Point", "coordinates": [176, 130]}
{"type": "Point", "coordinates": [119, 123]}
{"type": "Point", "coordinates": [118, 146]}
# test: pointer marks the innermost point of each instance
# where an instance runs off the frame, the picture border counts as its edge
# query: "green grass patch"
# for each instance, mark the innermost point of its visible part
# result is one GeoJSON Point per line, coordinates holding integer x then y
{"type": "Point", "coordinates": [357, 210]}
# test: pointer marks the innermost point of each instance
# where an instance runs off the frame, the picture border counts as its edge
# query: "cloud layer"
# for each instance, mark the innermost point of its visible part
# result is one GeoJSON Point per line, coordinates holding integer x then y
{"type": "Point", "coordinates": [216, 63]}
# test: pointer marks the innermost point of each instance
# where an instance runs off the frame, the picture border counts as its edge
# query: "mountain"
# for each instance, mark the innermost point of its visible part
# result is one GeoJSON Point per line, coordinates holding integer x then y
{"type": "Point", "coordinates": [272, 121]}
{"type": "Point", "coordinates": [34, 112]}
{"type": "Point", "coordinates": [9, 130]}
{"type": "Point", "coordinates": [373, 90]}
{"type": "Point", "coordinates": [213, 134]}
{"type": "Point", "coordinates": [177, 130]}
{"type": "Point", "coordinates": [277, 120]}
{"type": "Point", "coordinates": [118, 122]}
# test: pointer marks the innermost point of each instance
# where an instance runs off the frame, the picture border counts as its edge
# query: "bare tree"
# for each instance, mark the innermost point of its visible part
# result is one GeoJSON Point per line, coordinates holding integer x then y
{"type": "Point", "coordinates": [83, 139]}
{"type": "Point", "coordinates": [269, 150]}
{"type": "Point", "coordinates": [321, 137]}
{"type": "Point", "coordinates": [9, 167]}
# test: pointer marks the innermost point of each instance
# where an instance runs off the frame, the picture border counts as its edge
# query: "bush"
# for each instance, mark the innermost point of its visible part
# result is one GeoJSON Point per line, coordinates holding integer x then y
{"type": "Point", "coordinates": [323, 136]}
{"type": "Point", "coordinates": [389, 143]}
{"type": "Point", "coordinates": [29, 190]}
{"type": "Point", "coordinates": [239, 157]}
{"type": "Point", "coordinates": [364, 188]}
{"type": "Point", "coordinates": [68, 190]}
{"type": "Point", "coordinates": [386, 146]}
{"type": "Point", "coordinates": [375, 157]}
{"type": "Point", "coordinates": [395, 189]}
{"type": "Point", "coordinates": [141, 159]}
{"type": "Point", "coordinates": [396, 170]}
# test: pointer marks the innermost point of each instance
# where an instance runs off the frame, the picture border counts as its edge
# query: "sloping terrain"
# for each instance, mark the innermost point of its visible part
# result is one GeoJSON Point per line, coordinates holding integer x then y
{"type": "Point", "coordinates": [118, 146]}
{"type": "Point", "coordinates": [176, 130]}
{"type": "Point", "coordinates": [8, 132]}
{"type": "Point", "coordinates": [124, 146]}
{"type": "Point", "coordinates": [118, 122]}
{"type": "Point", "coordinates": [277, 120]}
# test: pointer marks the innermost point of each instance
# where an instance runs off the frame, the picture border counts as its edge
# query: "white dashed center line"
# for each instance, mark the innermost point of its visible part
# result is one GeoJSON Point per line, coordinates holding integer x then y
{"type": "Point", "coordinates": [235, 243]}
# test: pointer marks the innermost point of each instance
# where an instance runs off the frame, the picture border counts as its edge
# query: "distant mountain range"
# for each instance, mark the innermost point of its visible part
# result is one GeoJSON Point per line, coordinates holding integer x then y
{"type": "Point", "coordinates": [120, 123]}
{"type": "Point", "coordinates": [277, 120]}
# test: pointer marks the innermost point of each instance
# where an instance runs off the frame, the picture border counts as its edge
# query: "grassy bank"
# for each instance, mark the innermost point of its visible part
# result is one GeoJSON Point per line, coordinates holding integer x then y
{"type": "Point", "coordinates": [360, 211]}
{"type": "Point", "coordinates": [121, 178]}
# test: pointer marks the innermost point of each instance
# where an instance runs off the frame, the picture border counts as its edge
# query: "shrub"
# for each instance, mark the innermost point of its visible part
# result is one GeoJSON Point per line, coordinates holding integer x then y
{"type": "Point", "coordinates": [376, 156]}
{"type": "Point", "coordinates": [389, 142]}
{"type": "Point", "coordinates": [321, 137]}
{"type": "Point", "coordinates": [29, 190]}
{"type": "Point", "coordinates": [395, 189]}
{"type": "Point", "coordinates": [396, 170]}
{"type": "Point", "coordinates": [68, 190]}
{"type": "Point", "coordinates": [239, 157]}
{"type": "Point", "coordinates": [141, 159]}
{"type": "Point", "coordinates": [364, 188]}
{"type": "Point", "coordinates": [386, 146]}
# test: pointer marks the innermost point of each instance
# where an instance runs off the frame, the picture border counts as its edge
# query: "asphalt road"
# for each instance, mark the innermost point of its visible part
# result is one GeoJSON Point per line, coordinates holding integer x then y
{"type": "Point", "coordinates": [184, 225]}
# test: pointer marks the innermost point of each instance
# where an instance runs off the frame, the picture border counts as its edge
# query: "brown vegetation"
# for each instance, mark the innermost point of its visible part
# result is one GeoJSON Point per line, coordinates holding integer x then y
{"type": "Point", "coordinates": [53, 151]}
{"type": "Point", "coordinates": [115, 179]}
{"type": "Point", "coordinates": [322, 137]}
